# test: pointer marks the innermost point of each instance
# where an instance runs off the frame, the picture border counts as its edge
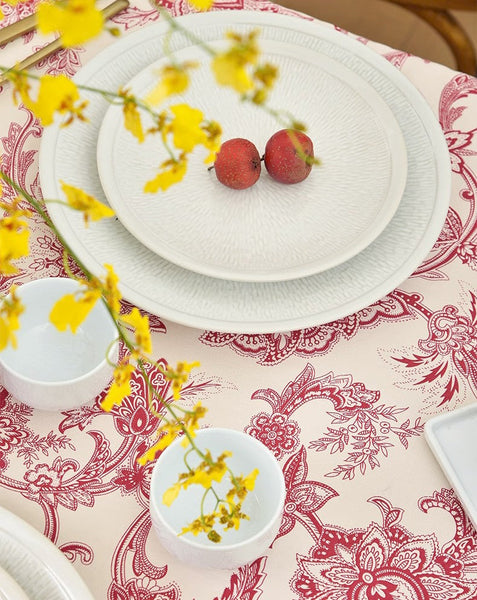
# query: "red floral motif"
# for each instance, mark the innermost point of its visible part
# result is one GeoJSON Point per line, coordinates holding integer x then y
{"type": "Point", "coordinates": [143, 588]}
{"type": "Point", "coordinates": [44, 479]}
{"type": "Point", "coordinates": [65, 483]}
{"type": "Point", "coordinates": [246, 583]}
{"type": "Point", "coordinates": [448, 357]}
{"type": "Point", "coordinates": [135, 478]}
{"type": "Point", "coordinates": [130, 557]}
{"type": "Point", "coordinates": [272, 349]}
{"type": "Point", "coordinates": [397, 57]}
{"type": "Point", "coordinates": [383, 562]}
{"type": "Point", "coordinates": [456, 240]}
{"type": "Point", "coordinates": [65, 61]}
{"type": "Point", "coordinates": [134, 17]}
{"type": "Point", "coordinates": [16, 437]}
{"type": "Point", "coordinates": [369, 425]}
{"type": "Point", "coordinates": [277, 432]}
{"type": "Point", "coordinates": [11, 433]}
{"type": "Point", "coordinates": [304, 497]}
{"type": "Point", "coordinates": [459, 143]}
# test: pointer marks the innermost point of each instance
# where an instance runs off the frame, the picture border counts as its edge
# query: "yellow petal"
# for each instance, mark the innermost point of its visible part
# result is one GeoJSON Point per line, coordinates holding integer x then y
{"type": "Point", "coordinates": [171, 494]}
{"type": "Point", "coordinates": [70, 311]}
{"type": "Point", "coordinates": [165, 179]}
{"type": "Point", "coordinates": [201, 4]}
{"type": "Point", "coordinates": [77, 20]}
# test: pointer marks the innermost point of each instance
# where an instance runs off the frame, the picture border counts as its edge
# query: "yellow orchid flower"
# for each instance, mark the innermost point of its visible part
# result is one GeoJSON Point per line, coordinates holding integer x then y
{"type": "Point", "coordinates": [186, 127]}
{"type": "Point", "coordinates": [110, 290]}
{"type": "Point", "coordinates": [179, 376]}
{"type": "Point", "coordinates": [14, 235]}
{"type": "Point", "coordinates": [173, 172]}
{"type": "Point", "coordinates": [120, 387]}
{"type": "Point", "coordinates": [57, 93]}
{"type": "Point", "coordinates": [72, 309]}
{"type": "Point", "coordinates": [230, 71]}
{"type": "Point", "coordinates": [171, 494]}
{"type": "Point", "coordinates": [174, 79]}
{"type": "Point", "coordinates": [132, 118]}
{"type": "Point", "coordinates": [10, 310]}
{"type": "Point", "coordinates": [142, 332]}
{"type": "Point", "coordinates": [201, 5]}
{"type": "Point", "coordinates": [89, 206]}
{"type": "Point", "coordinates": [76, 20]}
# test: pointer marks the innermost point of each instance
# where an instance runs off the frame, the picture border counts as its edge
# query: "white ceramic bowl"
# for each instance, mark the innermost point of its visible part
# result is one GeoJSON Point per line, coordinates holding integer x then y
{"type": "Point", "coordinates": [57, 370]}
{"type": "Point", "coordinates": [264, 505]}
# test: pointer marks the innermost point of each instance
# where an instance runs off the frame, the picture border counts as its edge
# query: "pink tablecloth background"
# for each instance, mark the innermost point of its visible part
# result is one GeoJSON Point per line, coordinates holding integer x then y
{"type": "Point", "coordinates": [369, 514]}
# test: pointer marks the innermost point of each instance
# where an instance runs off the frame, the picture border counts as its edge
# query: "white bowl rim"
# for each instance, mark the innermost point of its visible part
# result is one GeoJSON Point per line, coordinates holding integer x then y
{"type": "Point", "coordinates": [80, 378]}
{"type": "Point", "coordinates": [220, 547]}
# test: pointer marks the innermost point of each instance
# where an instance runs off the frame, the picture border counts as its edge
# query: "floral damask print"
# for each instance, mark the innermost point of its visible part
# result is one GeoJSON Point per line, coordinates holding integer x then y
{"type": "Point", "coordinates": [366, 427]}
{"type": "Point", "coordinates": [304, 497]}
{"type": "Point", "coordinates": [277, 432]}
{"type": "Point", "coordinates": [366, 435]}
{"type": "Point", "coordinates": [134, 576]}
{"type": "Point", "coordinates": [272, 349]}
{"type": "Point", "coordinates": [446, 363]}
{"type": "Point", "coordinates": [458, 238]}
{"type": "Point", "coordinates": [385, 562]}
{"type": "Point", "coordinates": [18, 439]}
{"type": "Point", "coordinates": [245, 583]}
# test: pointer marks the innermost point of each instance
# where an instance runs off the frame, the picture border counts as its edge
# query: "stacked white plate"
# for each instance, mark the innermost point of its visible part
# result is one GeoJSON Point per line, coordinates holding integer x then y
{"type": "Point", "coordinates": [32, 567]}
{"type": "Point", "coordinates": [273, 257]}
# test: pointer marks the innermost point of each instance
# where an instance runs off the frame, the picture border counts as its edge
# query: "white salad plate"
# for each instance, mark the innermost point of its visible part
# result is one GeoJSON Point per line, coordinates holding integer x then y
{"type": "Point", "coordinates": [270, 231]}
{"type": "Point", "coordinates": [181, 295]}
{"type": "Point", "coordinates": [452, 439]}
{"type": "Point", "coordinates": [9, 588]}
{"type": "Point", "coordinates": [37, 566]}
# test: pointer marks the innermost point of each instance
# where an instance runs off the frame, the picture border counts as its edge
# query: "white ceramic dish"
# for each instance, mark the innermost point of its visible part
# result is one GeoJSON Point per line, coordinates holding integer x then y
{"type": "Point", "coordinates": [9, 588]}
{"type": "Point", "coordinates": [156, 285]}
{"type": "Point", "coordinates": [271, 231]}
{"type": "Point", "coordinates": [263, 505]}
{"type": "Point", "coordinates": [452, 438]}
{"type": "Point", "coordinates": [36, 564]}
{"type": "Point", "coordinates": [58, 370]}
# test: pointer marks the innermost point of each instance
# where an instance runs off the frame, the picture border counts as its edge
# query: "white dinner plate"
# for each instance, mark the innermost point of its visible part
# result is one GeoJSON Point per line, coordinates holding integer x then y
{"type": "Point", "coordinates": [271, 231]}
{"type": "Point", "coordinates": [178, 294]}
{"type": "Point", "coordinates": [39, 568]}
{"type": "Point", "coordinates": [9, 588]}
{"type": "Point", "coordinates": [452, 439]}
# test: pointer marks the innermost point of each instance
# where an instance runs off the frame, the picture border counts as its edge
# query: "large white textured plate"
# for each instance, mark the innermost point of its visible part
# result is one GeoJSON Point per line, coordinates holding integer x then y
{"type": "Point", "coordinates": [36, 564]}
{"type": "Point", "coordinates": [271, 231]}
{"type": "Point", "coordinates": [174, 293]}
{"type": "Point", "coordinates": [9, 588]}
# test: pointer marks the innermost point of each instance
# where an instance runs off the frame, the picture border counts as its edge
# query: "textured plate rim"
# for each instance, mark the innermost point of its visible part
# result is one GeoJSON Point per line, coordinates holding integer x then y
{"type": "Point", "coordinates": [46, 553]}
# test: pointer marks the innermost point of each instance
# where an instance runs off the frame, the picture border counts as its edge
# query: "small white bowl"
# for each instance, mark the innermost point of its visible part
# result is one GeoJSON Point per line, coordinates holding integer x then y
{"type": "Point", "coordinates": [264, 505]}
{"type": "Point", "coordinates": [57, 370]}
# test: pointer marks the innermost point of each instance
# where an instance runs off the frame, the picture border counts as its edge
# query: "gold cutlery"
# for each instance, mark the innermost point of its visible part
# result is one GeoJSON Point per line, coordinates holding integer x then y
{"type": "Point", "coordinates": [16, 29]}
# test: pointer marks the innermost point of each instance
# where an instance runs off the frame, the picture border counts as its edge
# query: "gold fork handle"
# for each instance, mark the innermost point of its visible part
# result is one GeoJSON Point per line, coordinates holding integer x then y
{"type": "Point", "coordinates": [15, 30]}
{"type": "Point", "coordinates": [108, 12]}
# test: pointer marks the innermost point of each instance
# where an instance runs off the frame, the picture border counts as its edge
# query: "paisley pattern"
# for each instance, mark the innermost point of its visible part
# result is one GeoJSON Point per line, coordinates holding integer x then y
{"type": "Point", "coordinates": [368, 513]}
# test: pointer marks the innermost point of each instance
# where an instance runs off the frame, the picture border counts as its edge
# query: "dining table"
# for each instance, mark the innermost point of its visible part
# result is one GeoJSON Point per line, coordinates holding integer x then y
{"type": "Point", "coordinates": [341, 402]}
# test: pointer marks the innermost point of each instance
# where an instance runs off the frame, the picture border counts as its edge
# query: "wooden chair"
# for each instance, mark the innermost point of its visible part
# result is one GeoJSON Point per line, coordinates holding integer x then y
{"type": "Point", "coordinates": [436, 14]}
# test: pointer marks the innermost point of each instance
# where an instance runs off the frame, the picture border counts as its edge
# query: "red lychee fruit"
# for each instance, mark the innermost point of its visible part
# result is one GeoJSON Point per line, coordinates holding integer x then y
{"type": "Point", "coordinates": [237, 164]}
{"type": "Point", "coordinates": [289, 156]}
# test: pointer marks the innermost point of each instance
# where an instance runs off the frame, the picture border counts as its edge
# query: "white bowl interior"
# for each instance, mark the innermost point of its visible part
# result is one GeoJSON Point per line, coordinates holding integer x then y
{"type": "Point", "coordinates": [263, 505]}
{"type": "Point", "coordinates": [43, 353]}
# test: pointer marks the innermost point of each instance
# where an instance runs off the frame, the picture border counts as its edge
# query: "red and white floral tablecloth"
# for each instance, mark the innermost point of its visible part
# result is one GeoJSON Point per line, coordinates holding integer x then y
{"type": "Point", "coordinates": [369, 514]}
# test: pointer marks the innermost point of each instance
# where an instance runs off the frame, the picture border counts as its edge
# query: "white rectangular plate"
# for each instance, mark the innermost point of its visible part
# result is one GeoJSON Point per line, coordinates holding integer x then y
{"type": "Point", "coordinates": [453, 440]}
